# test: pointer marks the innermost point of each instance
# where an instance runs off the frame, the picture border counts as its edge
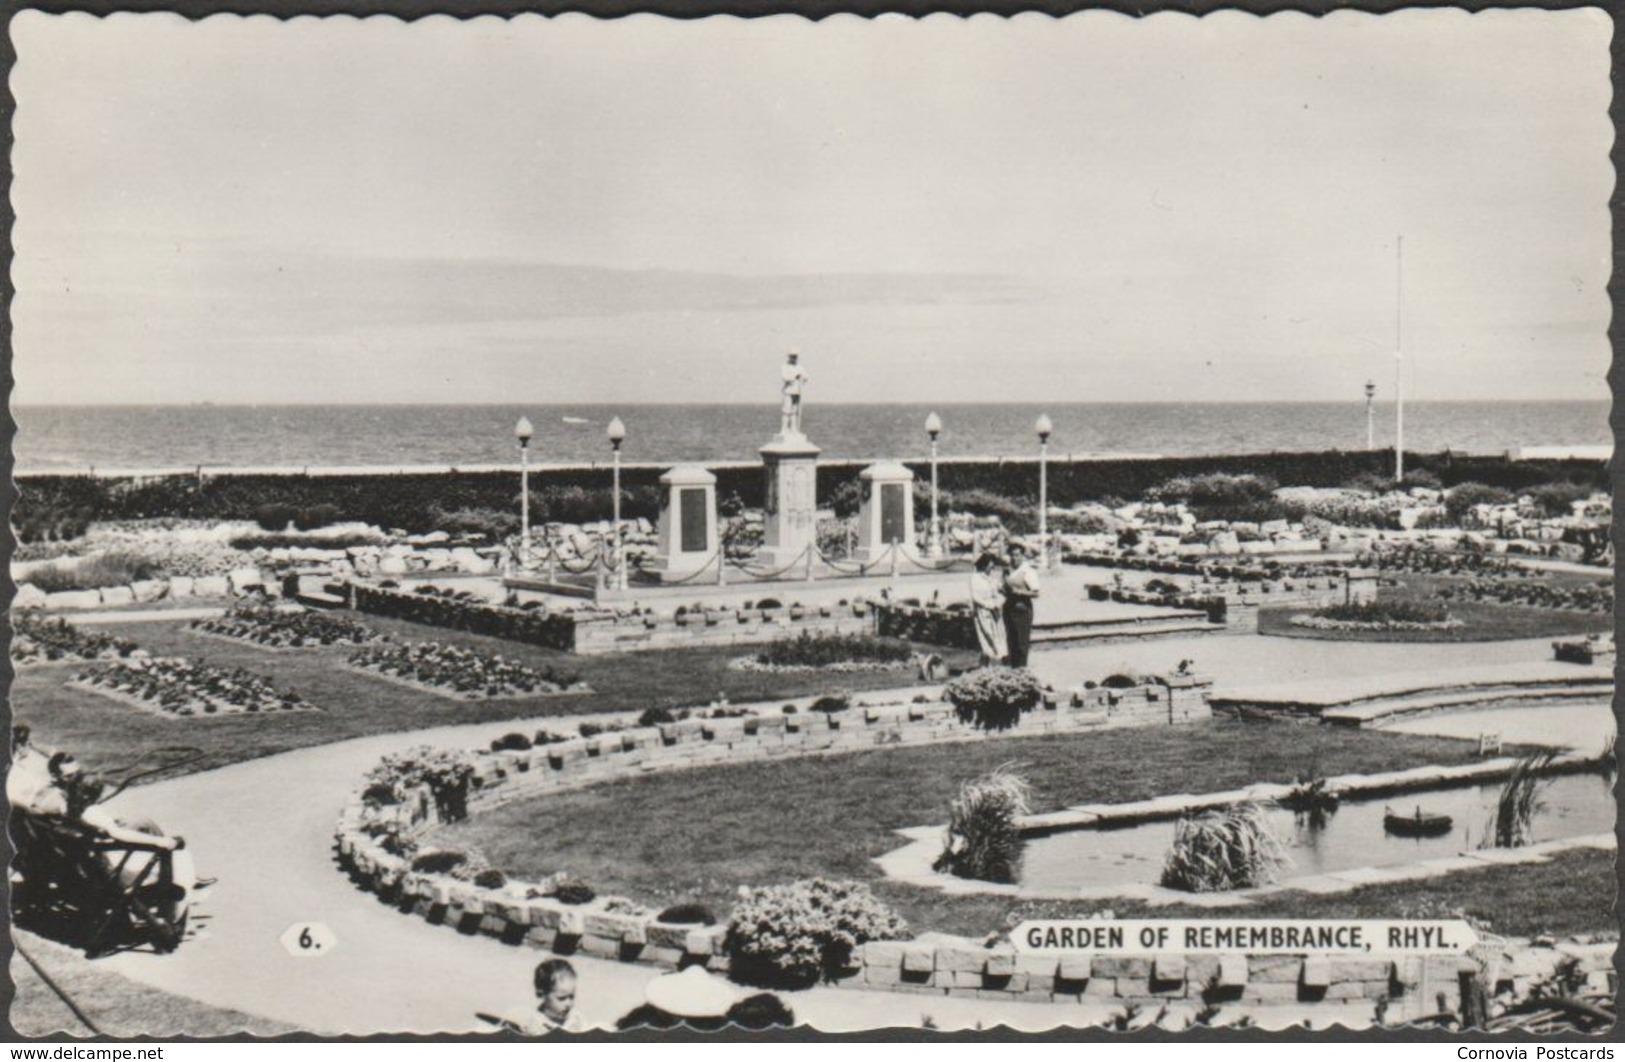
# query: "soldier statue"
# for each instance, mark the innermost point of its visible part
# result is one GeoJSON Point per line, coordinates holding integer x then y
{"type": "Point", "coordinates": [795, 379]}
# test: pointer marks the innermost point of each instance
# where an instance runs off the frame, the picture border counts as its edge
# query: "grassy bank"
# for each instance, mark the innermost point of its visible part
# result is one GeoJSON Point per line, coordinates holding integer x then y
{"type": "Point", "coordinates": [1481, 621]}
{"type": "Point", "coordinates": [698, 835]}
{"type": "Point", "coordinates": [104, 732]}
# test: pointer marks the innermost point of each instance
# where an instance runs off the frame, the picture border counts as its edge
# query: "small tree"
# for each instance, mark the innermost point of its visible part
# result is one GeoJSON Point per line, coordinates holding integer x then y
{"type": "Point", "coordinates": [1461, 499]}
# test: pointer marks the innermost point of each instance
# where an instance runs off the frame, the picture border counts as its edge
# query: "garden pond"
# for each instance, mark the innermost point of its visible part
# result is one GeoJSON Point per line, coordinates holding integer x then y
{"type": "Point", "coordinates": [1571, 805]}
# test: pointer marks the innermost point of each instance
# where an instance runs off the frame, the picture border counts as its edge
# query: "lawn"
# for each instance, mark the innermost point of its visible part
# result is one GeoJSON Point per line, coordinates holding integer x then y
{"type": "Point", "coordinates": [1482, 622]}
{"type": "Point", "coordinates": [103, 732]}
{"type": "Point", "coordinates": [698, 835]}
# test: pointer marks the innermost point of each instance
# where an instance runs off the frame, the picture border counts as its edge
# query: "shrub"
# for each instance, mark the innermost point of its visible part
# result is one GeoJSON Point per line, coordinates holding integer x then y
{"type": "Point", "coordinates": [589, 730]}
{"type": "Point", "coordinates": [510, 743]}
{"type": "Point", "coordinates": [547, 737]}
{"type": "Point", "coordinates": [1421, 477]}
{"type": "Point", "coordinates": [274, 516]}
{"type": "Point", "coordinates": [993, 698]}
{"type": "Point", "coordinates": [493, 524]}
{"type": "Point", "coordinates": [379, 794]}
{"type": "Point", "coordinates": [1382, 612]}
{"type": "Point", "coordinates": [441, 861]}
{"type": "Point", "coordinates": [808, 651]}
{"type": "Point", "coordinates": [1557, 499]}
{"type": "Point", "coordinates": [688, 914]}
{"type": "Point", "coordinates": [983, 840]}
{"type": "Point", "coordinates": [831, 704]}
{"type": "Point", "coordinates": [1229, 849]}
{"type": "Point", "coordinates": [114, 568]}
{"type": "Point", "coordinates": [1461, 499]}
{"type": "Point", "coordinates": [1222, 496]}
{"type": "Point", "coordinates": [574, 893]}
{"type": "Point", "coordinates": [320, 515]}
{"type": "Point", "coordinates": [490, 878]}
{"type": "Point", "coordinates": [655, 717]}
{"type": "Point", "coordinates": [792, 935]}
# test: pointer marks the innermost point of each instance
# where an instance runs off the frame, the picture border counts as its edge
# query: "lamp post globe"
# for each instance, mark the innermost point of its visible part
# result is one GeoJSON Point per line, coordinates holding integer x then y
{"type": "Point", "coordinates": [933, 428]}
{"type": "Point", "coordinates": [1370, 423]}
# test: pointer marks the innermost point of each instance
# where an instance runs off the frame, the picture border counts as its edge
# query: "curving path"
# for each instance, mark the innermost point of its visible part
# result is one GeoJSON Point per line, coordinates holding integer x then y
{"type": "Point", "coordinates": [264, 828]}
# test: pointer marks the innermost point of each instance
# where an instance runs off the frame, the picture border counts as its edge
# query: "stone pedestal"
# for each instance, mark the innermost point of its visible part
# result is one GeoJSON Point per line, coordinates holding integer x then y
{"type": "Point", "coordinates": [687, 538]}
{"type": "Point", "coordinates": [887, 513]}
{"type": "Point", "coordinates": [790, 515]}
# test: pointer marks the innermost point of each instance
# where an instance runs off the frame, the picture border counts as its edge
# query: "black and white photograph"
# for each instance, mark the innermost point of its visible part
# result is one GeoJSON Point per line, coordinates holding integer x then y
{"type": "Point", "coordinates": [558, 526]}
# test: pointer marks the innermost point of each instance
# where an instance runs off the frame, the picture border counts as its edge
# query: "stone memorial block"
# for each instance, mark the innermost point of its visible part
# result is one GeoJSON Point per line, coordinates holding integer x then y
{"type": "Point", "coordinates": [687, 537]}
{"type": "Point", "coordinates": [886, 517]}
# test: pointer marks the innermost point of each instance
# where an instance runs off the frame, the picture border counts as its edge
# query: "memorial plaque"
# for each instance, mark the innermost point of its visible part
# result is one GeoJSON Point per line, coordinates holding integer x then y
{"type": "Point", "coordinates": [892, 500]}
{"type": "Point", "coordinates": [693, 517]}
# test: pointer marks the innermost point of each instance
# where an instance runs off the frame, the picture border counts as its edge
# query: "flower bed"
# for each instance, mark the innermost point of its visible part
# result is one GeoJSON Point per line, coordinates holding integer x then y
{"type": "Point", "coordinates": [463, 673]}
{"type": "Point", "coordinates": [37, 640]}
{"type": "Point", "coordinates": [1380, 616]}
{"type": "Point", "coordinates": [268, 626]}
{"type": "Point", "coordinates": [1420, 561]}
{"type": "Point", "coordinates": [1238, 573]}
{"type": "Point", "coordinates": [173, 686]}
{"type": "Point", "coordinates": [830, 652]}
{"type": "Point", "coordinates": [1595, 597]}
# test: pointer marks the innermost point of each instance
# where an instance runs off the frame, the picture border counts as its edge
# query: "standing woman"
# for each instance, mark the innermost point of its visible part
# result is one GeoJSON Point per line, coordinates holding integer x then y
{"type": "Point", "coordinates": [987, 598]}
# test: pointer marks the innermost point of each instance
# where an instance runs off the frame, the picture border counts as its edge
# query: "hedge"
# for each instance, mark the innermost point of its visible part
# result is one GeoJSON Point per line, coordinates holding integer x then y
{"type": "Point", "coordinates": [54, 504]}
{"type": "Point", "coordinates": [498, 621]}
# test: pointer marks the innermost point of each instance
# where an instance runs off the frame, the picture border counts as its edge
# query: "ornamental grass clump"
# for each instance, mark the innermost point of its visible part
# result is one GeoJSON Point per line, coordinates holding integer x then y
{"type": "Point", "coordinates": [1221, 850]}
{"type": "Point", "coordinates": [993, 698]}
{"type": "Point", "coordinates": [1513, 825]}
{"type": "Point", "coordinates": [984, 840]}
{"type": "Point", "coordinates": [791, 936]}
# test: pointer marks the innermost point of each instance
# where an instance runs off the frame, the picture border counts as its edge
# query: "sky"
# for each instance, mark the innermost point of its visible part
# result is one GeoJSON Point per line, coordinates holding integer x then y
{"type": "Point", "coordinates": [1096, 208]}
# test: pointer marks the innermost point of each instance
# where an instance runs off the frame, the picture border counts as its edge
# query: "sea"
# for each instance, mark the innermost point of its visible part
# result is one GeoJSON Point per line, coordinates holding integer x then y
{"type": "Point", "coordinates": [151, 437]}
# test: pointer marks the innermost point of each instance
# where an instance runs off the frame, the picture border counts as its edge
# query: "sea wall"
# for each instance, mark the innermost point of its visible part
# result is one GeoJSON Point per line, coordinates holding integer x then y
{"type": "Point", "coordinates": [405, 499]}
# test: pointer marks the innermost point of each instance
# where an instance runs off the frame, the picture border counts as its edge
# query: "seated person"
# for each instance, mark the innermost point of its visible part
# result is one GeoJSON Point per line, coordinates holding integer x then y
{"type": "Point", "coordinates": [555, 986]}
{"type": "Point", "coordinates": [73, 796]}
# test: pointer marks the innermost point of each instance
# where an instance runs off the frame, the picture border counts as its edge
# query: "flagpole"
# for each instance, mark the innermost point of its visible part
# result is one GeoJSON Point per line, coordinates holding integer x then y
{"type": "Point", "coordinates": [1399, 362]}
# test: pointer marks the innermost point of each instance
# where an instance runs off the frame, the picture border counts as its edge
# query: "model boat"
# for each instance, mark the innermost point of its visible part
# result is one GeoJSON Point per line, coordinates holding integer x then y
{"type": "Point", "coordinates": [1421, 824]}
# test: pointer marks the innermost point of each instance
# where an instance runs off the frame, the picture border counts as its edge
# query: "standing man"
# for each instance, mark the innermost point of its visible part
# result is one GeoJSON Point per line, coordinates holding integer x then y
{"type": "Point", "coordinates": [1020, 590]}
{"type": "Point", "coordinates": [795, 378]}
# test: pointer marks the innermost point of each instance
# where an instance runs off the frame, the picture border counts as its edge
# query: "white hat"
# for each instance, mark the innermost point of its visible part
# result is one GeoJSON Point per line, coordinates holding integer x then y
{"type": "Point", "coordinates": [692, 994]}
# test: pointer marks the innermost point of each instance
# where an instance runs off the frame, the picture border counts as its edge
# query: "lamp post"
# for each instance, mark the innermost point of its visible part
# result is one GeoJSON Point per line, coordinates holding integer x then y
{"type": "Point", "coordinates": [1399, 360]}
{"type": "Point", "coordinates": [617, 432]}
{"type": "Point", "coordinates": [1370, 424]}
{"type": "Point", "coordinates": [523, 431]}
{"type": "Point", "coordinates": [933, 428]}
{"type": "Point", "coordinates": [1043, 428]}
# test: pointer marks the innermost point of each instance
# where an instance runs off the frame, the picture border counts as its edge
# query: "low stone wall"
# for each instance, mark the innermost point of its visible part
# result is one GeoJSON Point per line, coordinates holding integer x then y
{"type": "Point", "coordinates": [611, 633]}
{"type": "Point", "coordinates": [237, 583]}
{"type": "Point", "coordinates": [1170, 988]}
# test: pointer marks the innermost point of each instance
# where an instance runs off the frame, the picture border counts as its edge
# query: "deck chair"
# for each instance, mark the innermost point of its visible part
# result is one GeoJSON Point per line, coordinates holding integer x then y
{"type": "Point", "coordinates": [116, 894]}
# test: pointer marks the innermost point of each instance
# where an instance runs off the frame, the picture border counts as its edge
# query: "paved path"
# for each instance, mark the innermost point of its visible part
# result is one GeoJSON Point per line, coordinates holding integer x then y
{"type": "Point", "coordinates": [265, 829]}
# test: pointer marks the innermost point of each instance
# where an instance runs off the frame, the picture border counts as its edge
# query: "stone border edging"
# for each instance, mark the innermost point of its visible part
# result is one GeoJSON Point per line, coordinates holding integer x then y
{"type": "Point", "coordinates": [933, 964]}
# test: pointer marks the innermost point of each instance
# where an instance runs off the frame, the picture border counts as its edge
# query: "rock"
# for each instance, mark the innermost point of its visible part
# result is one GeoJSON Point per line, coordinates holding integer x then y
{"type": "Point", "coordinates": [29, 596]}
{"type": "Point", "coordinates": [1272, 527]}
{"type": "Point", "coordinates": [645, 527]}
{"type": "Point", "coordinates": [466, 560]}
{"type": "Point", "coordinates": [1224, 542]}
{"type": "Point", "coordinates": [150, 589]}
{"type": "Point", "coordinates": [211, 586]}
{"type": "Point", "coordinates": [392, 564]}
{"type": "Point", "coordinates": [115, 596]}
{"type": "Point", "coordinates": [244, 579]}
{"type": "Point", "coordinates": [73, 599]}
{"type": "Point", "coordinates": [181, 585]}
